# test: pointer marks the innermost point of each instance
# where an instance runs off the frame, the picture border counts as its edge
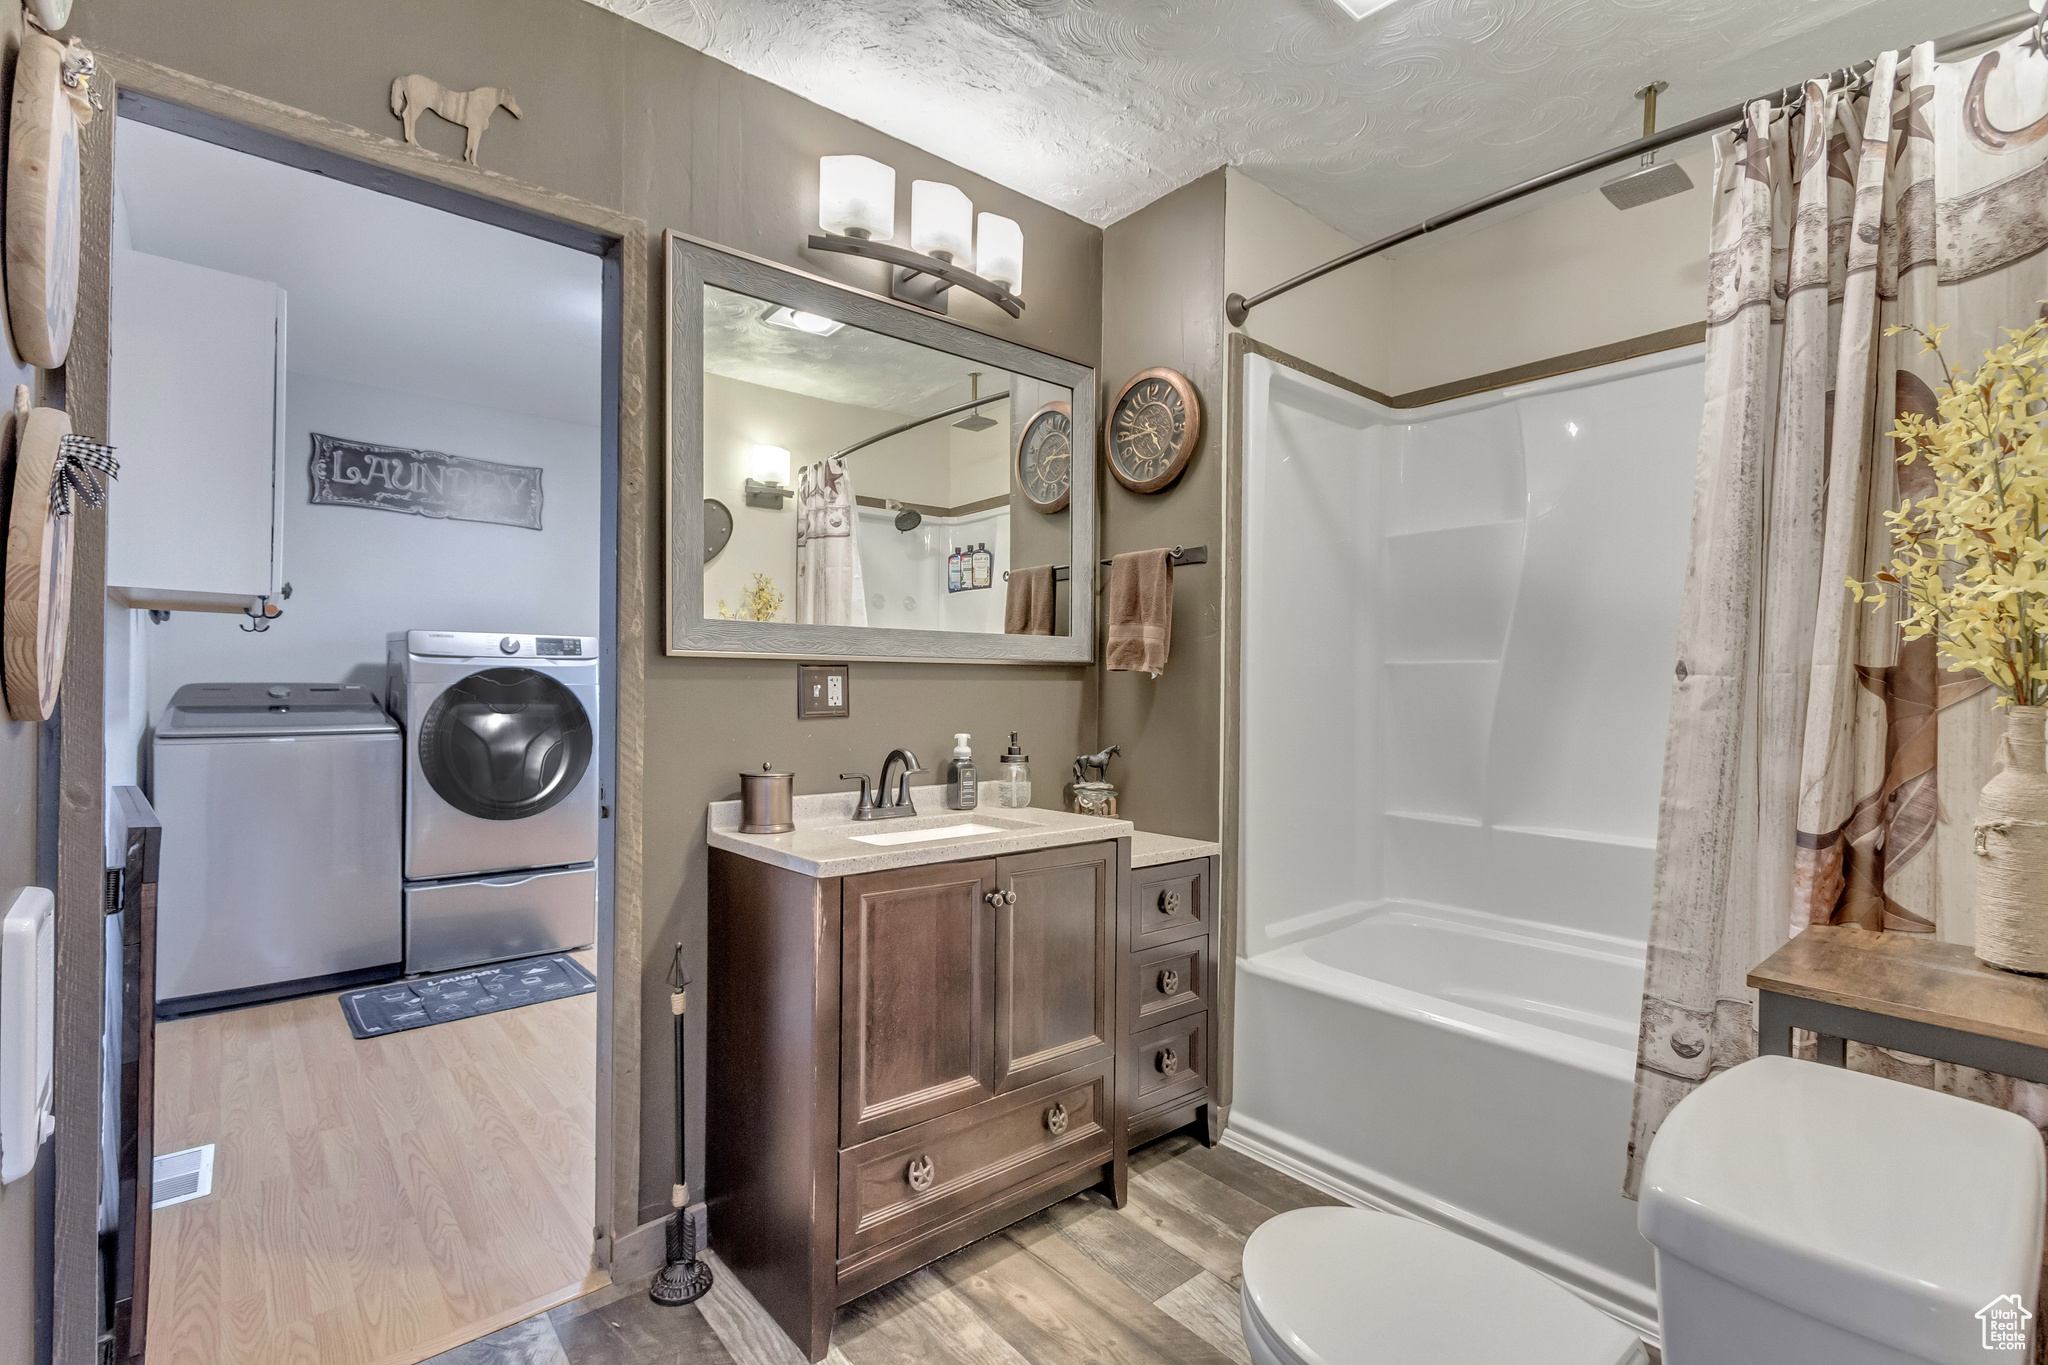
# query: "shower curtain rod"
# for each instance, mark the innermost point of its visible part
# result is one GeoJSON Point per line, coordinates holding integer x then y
{"type": "Point", "coordinates": [911, 426]}
{"type": "Point", "coordinates": [1237, 307]}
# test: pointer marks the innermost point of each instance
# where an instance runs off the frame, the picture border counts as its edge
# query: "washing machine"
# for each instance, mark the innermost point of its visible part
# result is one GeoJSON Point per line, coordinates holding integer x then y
{"type": "Point", "coordinates": [501, 794]}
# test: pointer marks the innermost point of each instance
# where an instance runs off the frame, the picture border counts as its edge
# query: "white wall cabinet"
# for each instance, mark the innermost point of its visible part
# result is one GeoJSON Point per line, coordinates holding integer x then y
{"type": "Point", "coordinates": [197, 416]}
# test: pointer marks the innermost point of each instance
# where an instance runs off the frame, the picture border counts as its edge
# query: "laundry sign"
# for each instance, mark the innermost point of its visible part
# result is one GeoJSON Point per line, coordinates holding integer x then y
{"type": "Point", "coordinates": [423, 483]}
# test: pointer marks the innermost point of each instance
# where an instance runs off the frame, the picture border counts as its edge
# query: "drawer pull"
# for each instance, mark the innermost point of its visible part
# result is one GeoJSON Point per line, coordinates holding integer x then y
{"type": "Point", "coordinates": [1167, 1061]}
{"type": "Point", "coordinates": [1056, 1119]}
{"type": "Point", "coordinates": [1169, 902]}
{"type": "Point", "coordinates": [1169, 982]}
{"type": "Point", "coordinates": [1000, 898]}
{"type": "Point", "coordinates": [920, 1173]}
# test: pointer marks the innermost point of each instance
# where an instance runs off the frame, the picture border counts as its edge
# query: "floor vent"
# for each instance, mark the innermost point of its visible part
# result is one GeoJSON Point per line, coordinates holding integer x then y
{"type": "Point", "coordinates": [178, 1176]}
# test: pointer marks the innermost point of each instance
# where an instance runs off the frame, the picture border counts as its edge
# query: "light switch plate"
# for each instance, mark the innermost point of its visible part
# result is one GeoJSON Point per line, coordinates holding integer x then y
{"type": "Point", "coordinates": [823, 690]}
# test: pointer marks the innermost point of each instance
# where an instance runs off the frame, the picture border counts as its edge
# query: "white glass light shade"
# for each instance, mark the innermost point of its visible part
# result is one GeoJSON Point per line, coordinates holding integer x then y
{"type": "Point", "coordinates": [999, 251]}
{"type": "Point", "coordinates": [942, 222]}
{"type": "Point", "coordinates": [768, 464]}
{"type": "Point", "coordinates": [857, 197]}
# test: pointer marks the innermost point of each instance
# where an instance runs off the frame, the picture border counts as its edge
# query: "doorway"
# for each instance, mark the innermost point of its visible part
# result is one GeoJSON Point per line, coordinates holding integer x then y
{"type": "Point", "coordinates": [386, 1197]}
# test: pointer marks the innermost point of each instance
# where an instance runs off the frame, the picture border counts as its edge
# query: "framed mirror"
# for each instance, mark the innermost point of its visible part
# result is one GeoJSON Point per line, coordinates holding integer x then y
{"type": "Point", "coordinates": [888, 473]}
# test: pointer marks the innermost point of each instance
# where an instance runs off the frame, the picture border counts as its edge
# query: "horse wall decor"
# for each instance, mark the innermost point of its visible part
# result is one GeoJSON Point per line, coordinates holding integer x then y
{"type": "Point", "coordinates": [413, 95]}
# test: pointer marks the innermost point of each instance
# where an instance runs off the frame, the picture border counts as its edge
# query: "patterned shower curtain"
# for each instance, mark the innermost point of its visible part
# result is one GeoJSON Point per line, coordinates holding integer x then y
{"type": "Point", "coordinates": [829, 591]}
{"type": "Point", "coordinates": [1817, 770]}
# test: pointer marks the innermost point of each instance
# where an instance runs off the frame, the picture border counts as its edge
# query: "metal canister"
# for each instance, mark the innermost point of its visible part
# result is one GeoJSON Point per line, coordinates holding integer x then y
{"type": "Point", "coordinates": [767, 801]}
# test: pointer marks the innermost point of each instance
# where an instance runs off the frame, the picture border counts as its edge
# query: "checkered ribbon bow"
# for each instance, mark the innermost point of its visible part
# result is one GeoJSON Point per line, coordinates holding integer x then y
{"type": "Point", "coordinates": [79, 463]}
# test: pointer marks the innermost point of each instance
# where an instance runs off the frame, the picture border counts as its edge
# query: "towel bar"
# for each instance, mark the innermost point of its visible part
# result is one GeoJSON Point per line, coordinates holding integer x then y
{"type": "Point", "coordinates": [1193, 554]}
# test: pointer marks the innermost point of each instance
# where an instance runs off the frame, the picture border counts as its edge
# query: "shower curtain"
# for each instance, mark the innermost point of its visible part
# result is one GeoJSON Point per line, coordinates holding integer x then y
{"type": "Point", "coordinates": [829, 591]}
{"type": "Point", "coordinates": [1817, 770]}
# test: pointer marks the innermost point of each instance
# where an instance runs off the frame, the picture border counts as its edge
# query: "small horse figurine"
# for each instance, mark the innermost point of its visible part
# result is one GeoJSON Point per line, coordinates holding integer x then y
{"type": "Point", "coordinates": [412, 96]}
{"type": "Point", "coordinates": [1097, 763]}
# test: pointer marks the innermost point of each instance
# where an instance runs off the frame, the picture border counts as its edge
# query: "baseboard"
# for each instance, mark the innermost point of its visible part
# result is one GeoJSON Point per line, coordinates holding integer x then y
{"type": "Point", "coordinates": [643, 1250]}
{"type": "Point", "coordinates": [1623, 1300]}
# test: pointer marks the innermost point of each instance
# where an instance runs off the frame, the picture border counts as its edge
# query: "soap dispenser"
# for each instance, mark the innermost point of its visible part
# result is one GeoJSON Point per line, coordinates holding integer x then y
{"type": "Point", "coordinates": [984, 567]}
{"type": "Point", "coordinates": [953, 570]}
{"type": "Point", "coordinates": [960, 785]}
{"type": "Point", "coordinates": [1013, 788]}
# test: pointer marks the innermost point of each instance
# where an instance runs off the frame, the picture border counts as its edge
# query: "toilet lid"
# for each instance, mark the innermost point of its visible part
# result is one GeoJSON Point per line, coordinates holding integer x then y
{"type": "Point", "coordinates": [1344, 1286]}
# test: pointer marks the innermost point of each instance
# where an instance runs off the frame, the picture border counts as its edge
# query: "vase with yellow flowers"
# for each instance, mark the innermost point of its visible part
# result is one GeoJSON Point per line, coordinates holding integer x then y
{"type": "Point", "coordinates": [1970, 567]}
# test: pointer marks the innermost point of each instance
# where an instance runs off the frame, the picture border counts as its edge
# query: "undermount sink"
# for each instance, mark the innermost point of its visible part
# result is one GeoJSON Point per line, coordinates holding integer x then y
{"type": "Point", "coordinates": [962, 830]}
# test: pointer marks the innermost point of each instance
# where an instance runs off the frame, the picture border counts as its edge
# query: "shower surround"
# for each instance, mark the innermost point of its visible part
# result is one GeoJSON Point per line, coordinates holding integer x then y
{"type": "Point", "coordinates": [1459, 634]}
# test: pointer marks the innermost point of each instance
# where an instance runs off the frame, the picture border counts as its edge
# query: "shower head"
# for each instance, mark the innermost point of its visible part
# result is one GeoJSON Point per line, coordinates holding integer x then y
{"type": "Point", "coordinates": [974, 421]}
{"type": "Point", "coordinates": [909, 518]}
{"type": "Point", "coordinates": [1652, 180]}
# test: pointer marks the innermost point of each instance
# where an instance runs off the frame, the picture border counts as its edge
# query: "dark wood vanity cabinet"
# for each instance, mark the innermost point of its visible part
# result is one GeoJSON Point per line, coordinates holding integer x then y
{"type": "Point", "coordinates": [902, 1062]}
{"type": "Point", "coordinates": [1166, 1060]}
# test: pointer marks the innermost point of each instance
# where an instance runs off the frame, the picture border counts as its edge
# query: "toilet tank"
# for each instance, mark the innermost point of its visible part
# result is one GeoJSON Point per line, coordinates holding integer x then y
{"type": "Point", "coordinates": [1805, 1212]}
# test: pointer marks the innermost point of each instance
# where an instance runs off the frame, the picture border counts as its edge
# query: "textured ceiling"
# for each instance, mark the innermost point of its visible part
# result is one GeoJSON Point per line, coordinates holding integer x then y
{"type": "Point", "coordinates": [1100, 108]}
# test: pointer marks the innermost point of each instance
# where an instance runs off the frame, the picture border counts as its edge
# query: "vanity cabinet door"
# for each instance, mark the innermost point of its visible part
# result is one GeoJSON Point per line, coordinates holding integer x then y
{"type": "Point", "coordinates": [1053, 975]}
{"type": "Point", "coordinates": [917, 958]}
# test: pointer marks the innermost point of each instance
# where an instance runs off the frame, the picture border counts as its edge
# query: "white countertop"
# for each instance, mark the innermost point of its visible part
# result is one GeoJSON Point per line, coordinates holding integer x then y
{"type": "Point", "coordinates": [1150, 850]}
{"type": "Point", "coordinates": [823, 844]}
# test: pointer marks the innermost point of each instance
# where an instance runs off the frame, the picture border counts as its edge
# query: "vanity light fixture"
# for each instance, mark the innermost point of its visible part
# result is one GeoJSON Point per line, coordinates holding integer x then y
{"type": "Point", "coordinates": [999, 253]}
{"type": "Point", "coordinates": [1359, 9]}
{"type": "Point", "coordinates": [856, 197]}
{"type": "Point", "coordinates": [768, 477]}
{"type": "Point", "coordinates": [941, 254]}
{"type": "Point", "coordinates": [813, 324]}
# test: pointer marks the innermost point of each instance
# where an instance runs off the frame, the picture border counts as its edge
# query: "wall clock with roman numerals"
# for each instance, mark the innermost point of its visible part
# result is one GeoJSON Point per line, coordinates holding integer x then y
{"type": "Point", "coordinates": [1151, 430]}
{"type": "Point", "coordinates": [1045, 457]}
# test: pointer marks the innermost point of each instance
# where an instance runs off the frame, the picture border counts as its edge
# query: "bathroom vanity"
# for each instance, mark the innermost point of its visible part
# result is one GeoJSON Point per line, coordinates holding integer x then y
{"type": "Point", "coordinates": [921, 1030]}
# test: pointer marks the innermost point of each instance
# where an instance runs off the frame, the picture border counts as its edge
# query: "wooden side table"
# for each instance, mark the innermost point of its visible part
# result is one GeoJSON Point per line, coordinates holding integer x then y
{"type": "Point", "coordinates": [1905, 992]}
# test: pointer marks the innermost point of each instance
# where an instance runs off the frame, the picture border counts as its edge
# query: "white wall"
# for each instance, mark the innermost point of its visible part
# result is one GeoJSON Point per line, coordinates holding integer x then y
{"type": "Point", "coordinates": [1341, 321]}
{"type": "Point", "coordinates": [359, 574]}
{"type": "Point", "coordinates": [1560, 275]}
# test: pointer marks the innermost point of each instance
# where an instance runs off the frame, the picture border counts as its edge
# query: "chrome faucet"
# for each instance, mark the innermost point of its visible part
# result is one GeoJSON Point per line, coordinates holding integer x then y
{"type": "Point", "coordinates": [884, 803]}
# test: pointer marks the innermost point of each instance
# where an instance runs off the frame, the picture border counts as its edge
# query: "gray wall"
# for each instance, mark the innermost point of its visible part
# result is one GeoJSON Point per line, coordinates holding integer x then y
{"type": "Point", "coordinates": [1162, 304]}
{"type": "Point", "coordinates": [621, 116]}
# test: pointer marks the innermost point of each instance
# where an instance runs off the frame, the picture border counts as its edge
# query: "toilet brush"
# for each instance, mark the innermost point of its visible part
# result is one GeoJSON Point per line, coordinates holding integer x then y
{"type": "Point", "coordinates": [683, 1278]}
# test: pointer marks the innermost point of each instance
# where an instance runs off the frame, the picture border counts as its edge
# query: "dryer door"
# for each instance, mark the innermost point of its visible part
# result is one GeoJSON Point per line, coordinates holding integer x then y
{"type": "Point", "coordinates": [505, 743]}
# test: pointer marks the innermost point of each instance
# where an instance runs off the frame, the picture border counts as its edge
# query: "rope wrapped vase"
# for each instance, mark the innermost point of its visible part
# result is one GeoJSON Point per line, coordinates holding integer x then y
{"type": "Point", "coordinates": [2012, 849]}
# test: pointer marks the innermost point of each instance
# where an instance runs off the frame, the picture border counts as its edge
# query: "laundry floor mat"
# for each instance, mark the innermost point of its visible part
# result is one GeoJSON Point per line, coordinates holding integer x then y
{"type": "Point", "coordinates": [401, 1005]}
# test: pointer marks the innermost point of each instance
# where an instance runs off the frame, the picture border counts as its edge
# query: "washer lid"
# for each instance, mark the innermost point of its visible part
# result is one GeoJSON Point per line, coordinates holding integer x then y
{"type": "Point", "coordinates": [1806, 1184]}
{"type": "Point", "coordinates": [222, 710]}
{"type": "Point", "coordinates": [1344, 1286]}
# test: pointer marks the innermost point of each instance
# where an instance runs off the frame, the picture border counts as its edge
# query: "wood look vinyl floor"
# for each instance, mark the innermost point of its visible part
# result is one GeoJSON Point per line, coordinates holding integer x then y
{"type": "Point", "coordinates": [373, 1202]}
{"type": "Point", "coordinates": [1082, 1283]}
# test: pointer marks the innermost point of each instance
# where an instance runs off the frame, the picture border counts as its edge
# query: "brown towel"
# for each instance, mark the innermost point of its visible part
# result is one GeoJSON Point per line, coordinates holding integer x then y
{"type": "Point", "coordinates": [1140, 612]}
{"type": "Point", "coordinates": [1028, 608]}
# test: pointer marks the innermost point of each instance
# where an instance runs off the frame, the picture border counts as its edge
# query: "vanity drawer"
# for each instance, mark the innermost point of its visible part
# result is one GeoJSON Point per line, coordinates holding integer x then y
{"type": "Point", "coordinates": [1165, 983]}
{"type": "Point", "coordinates": [1169, 902]}
{"type": "Point", "coordinates": [1171, 1061]}
{"type": "Point", "coordinates": [896, 1184]}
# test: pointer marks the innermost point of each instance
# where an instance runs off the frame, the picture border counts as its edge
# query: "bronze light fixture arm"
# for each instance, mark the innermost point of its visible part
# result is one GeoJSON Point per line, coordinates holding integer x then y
{"type": "Point", "coordinates": [944, 274]}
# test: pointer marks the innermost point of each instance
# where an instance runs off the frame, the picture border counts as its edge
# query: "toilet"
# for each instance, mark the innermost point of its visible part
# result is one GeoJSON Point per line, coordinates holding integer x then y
{"type": "Point", "coordinates": [1789, 1224]}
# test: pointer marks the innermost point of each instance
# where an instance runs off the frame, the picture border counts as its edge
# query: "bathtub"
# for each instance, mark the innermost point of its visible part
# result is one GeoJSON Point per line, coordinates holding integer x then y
{"type": "Point", "coordinates": [1466, 1068]}
{"type": "Point", "coordinates": [1459, 628]}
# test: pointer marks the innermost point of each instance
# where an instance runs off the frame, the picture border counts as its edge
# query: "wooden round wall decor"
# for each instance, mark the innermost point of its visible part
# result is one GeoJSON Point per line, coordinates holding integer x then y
{"type": "Point", "coordinates": [1045, 457]}
{"type": "Point", "coordinates": [43, 195]}
{"type": "Point", "coordinates": [39, 546]}
{"type": "Point", "coordinates": [1150, 433]}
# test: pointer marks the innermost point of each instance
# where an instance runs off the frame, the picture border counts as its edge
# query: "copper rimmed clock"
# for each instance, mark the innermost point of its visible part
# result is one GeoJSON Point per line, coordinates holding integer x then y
{"type": "Point", "coordinates": [1150, 433]}
{"type": "Point", "coordinates": [1045, 457]}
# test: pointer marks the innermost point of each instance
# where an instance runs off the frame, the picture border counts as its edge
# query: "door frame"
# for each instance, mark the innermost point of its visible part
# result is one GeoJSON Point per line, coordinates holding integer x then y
{"type": "Point", "coordinates": [72, 743]}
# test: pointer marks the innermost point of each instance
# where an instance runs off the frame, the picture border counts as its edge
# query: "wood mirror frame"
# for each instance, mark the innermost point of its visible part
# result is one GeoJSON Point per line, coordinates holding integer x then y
{"type": "Point", "coordinates": [693, 264]}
